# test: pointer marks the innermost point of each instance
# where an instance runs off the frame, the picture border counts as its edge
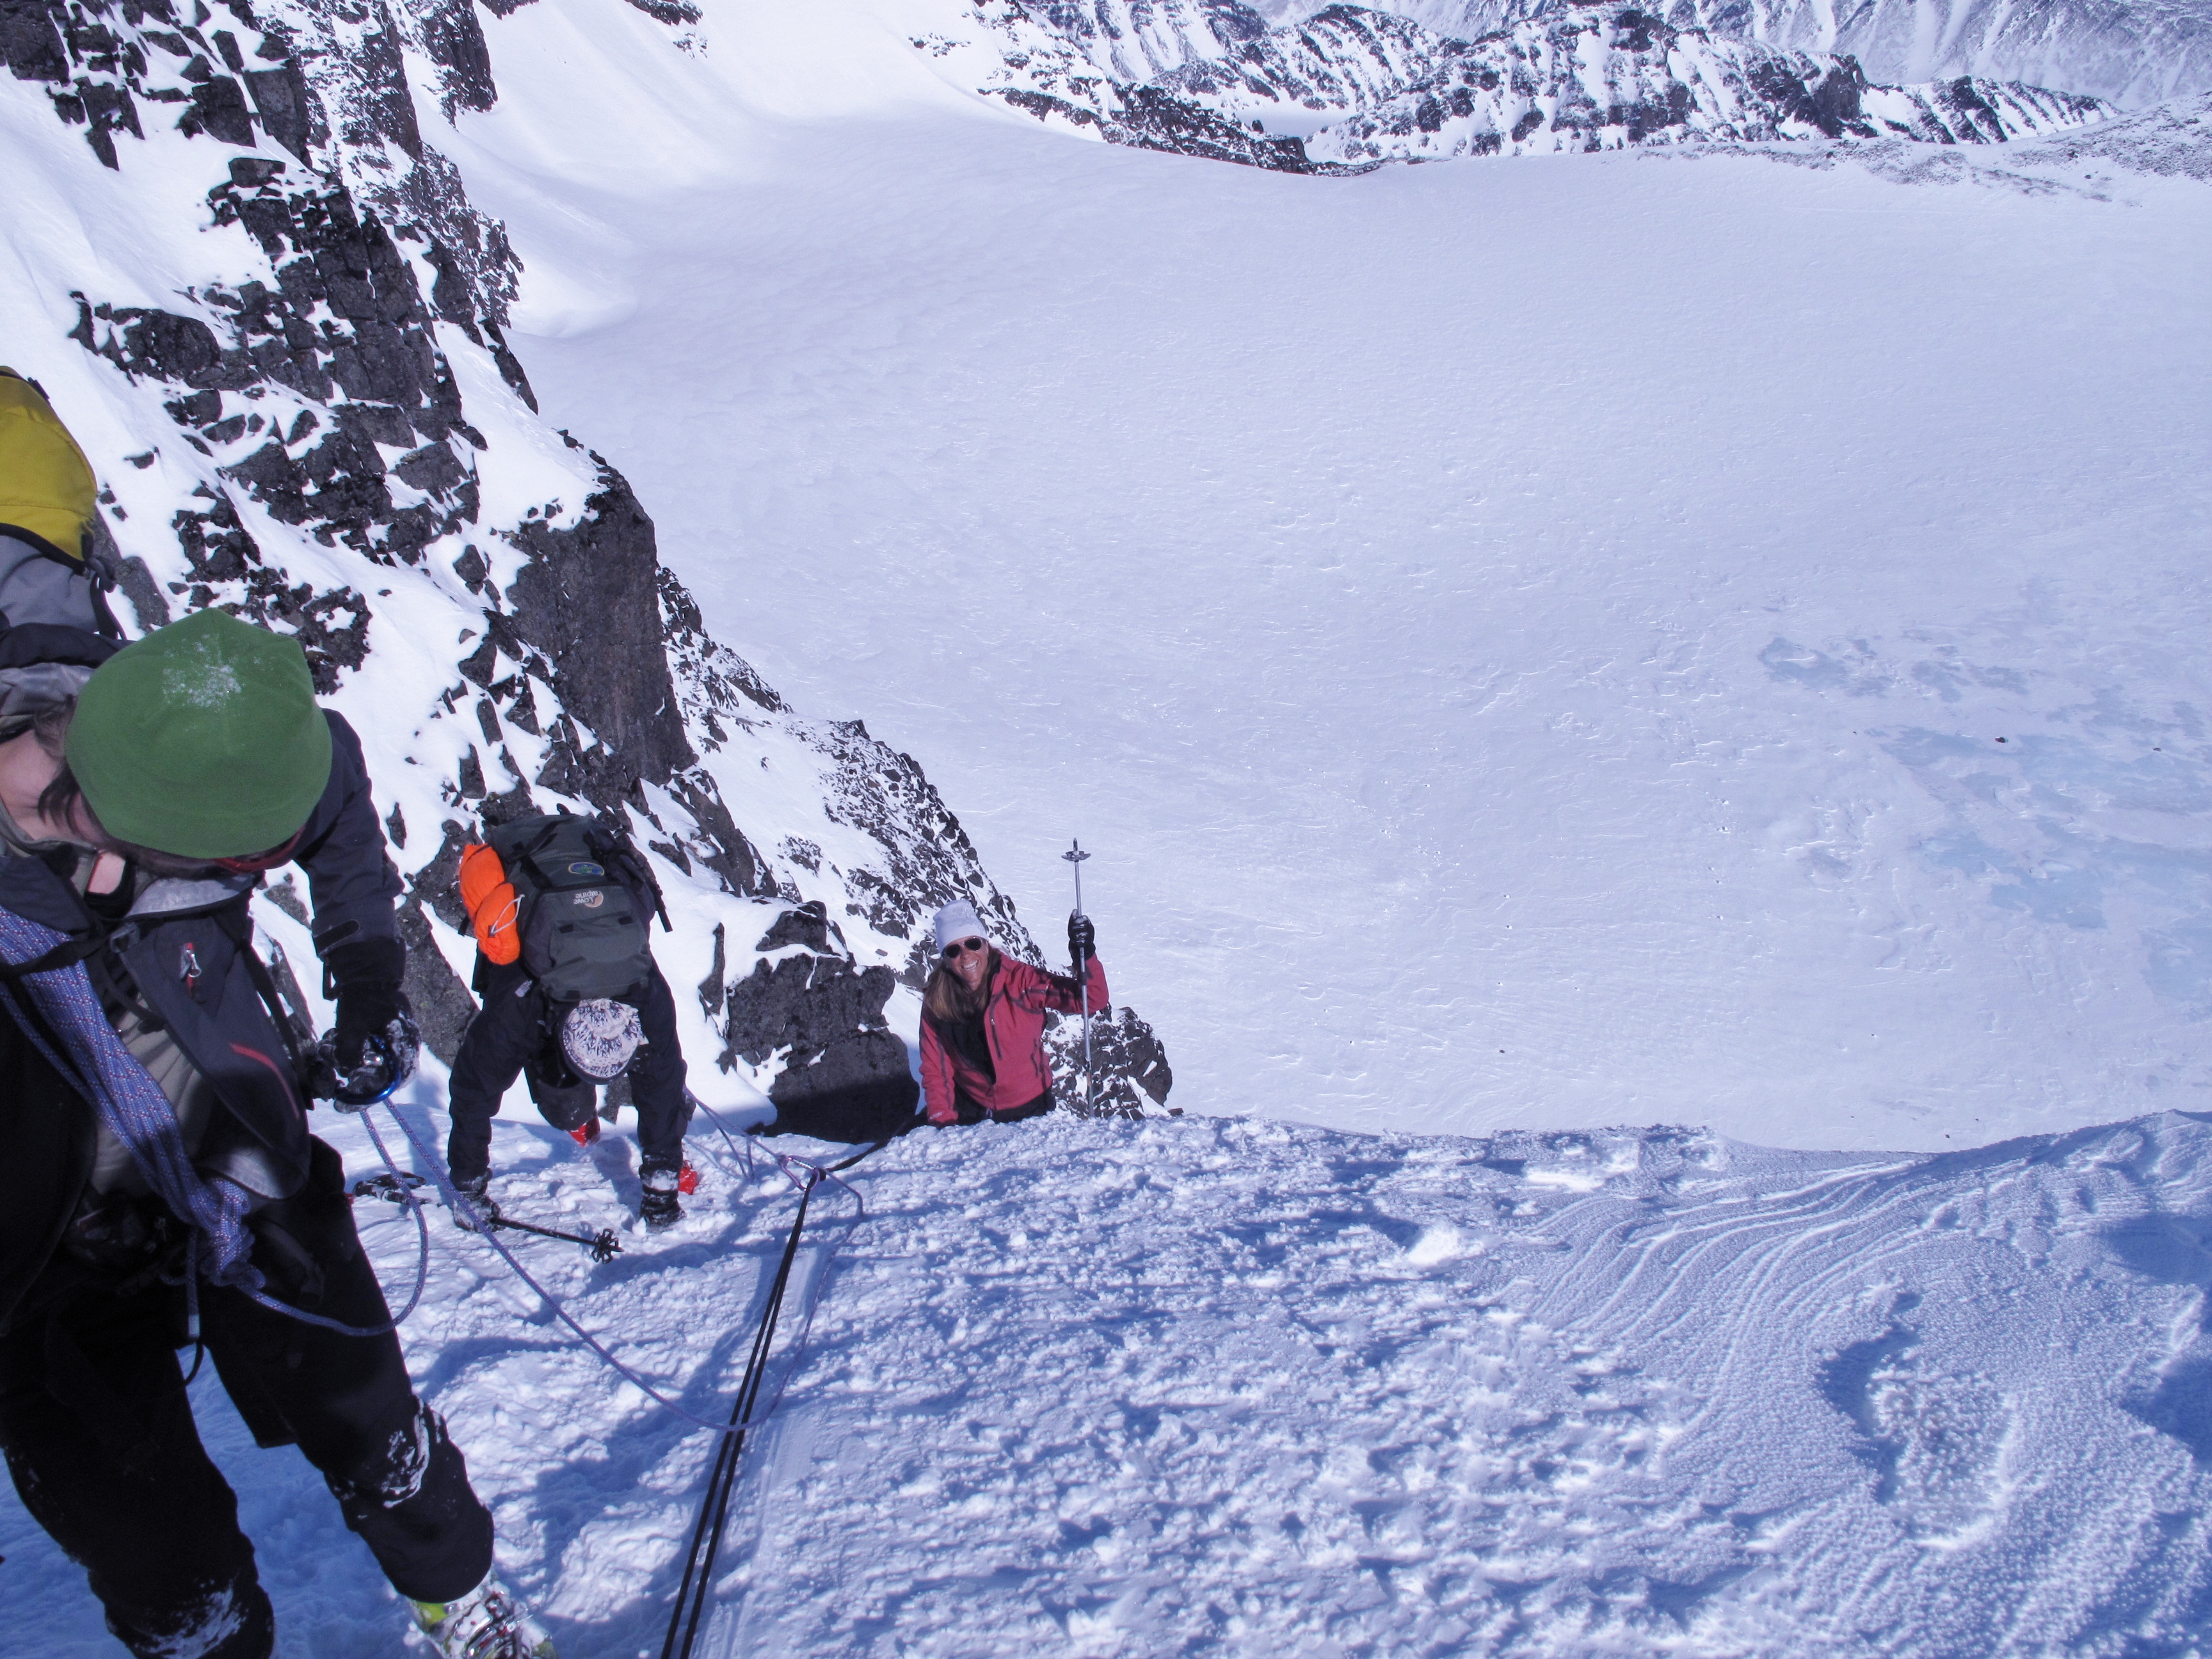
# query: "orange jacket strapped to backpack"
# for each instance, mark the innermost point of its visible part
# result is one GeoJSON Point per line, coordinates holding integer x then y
{"type": "Point", "coordinates": [495, 909]}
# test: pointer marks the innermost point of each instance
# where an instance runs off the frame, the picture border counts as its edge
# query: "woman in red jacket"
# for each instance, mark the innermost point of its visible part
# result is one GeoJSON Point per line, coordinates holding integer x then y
{"type": "Point", "coordinates": [982, 1022]}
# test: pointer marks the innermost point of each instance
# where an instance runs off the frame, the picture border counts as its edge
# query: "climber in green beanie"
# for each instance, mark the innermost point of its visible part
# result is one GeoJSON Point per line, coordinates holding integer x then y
{"type": "Point", "coordinates": [154, 1100]}
{"type": "Point", "coordinates": [143, 791]}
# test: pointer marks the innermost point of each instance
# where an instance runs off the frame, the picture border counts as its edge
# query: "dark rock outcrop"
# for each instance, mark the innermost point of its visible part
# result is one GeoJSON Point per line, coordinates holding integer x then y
{"type": "Point", "coordinates": [443, 1006]}
{"type": "Point", "coordinates": [857, 1088]}
{"type": "Point", "coordinates": [1128, 1066]}
{"type": "Point", "coordinates": [845, 1076]}
{"type": "Point", "coordinates": [802, 1004]}
{"type": "Point", "coordinates": [590, 601]}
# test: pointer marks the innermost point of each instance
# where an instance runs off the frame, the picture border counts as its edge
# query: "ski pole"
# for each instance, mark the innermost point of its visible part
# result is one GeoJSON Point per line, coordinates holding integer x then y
{"type": "Point", "coordinates": [1075, 856]}
{"type": "Point", "coordinates": [603, 1244]}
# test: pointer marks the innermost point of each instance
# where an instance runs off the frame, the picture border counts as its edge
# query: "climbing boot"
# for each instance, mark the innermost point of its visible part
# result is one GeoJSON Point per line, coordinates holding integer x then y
{"type": "Point", "coordinates": [660, 1207]}
{"type": "Point", "coordinates": [487, 1623]}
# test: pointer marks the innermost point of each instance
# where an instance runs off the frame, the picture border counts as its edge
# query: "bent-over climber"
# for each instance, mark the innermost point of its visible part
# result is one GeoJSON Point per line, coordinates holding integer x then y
{"type": "Point", "coordinates": [572, 998]}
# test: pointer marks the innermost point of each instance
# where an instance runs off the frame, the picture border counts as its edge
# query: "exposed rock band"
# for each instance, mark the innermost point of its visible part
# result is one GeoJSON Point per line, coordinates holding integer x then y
{"type": "Point", "coordinates": [163, 1191]}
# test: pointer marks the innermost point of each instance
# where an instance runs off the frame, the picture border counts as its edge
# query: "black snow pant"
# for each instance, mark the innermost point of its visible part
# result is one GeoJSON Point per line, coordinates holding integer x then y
{"type": "Point", "coordinates": [969, 1110]}
{"type": "Point", "coordinates": [99, 1437]}
{"type": "Point", "coordinates": [512, 1033]}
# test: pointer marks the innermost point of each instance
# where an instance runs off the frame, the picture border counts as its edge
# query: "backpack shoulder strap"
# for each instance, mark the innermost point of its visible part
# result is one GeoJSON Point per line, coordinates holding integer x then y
{"type": "Point", "coordinates": [32, 643]}
{"type": "Point", "coordinates": [66, 954]}
{"type": "Point", "coordinates": [629, 865]}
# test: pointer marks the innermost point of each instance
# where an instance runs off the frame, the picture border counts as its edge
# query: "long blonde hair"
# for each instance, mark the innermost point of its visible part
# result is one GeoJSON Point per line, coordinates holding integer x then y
{"type": "Point", "coordinates": [946, 998]}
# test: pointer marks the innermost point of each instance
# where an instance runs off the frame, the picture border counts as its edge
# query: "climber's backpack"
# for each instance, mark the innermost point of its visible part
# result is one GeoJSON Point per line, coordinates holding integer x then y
{"type": "Point", "coordinates": [55, 624]}
{"type": "Point", "coordinates": [586, 898]}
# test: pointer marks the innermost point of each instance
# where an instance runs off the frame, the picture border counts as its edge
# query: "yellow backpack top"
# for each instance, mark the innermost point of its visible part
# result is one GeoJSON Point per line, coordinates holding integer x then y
{"type": "Point", "coordinates": [46, 486]}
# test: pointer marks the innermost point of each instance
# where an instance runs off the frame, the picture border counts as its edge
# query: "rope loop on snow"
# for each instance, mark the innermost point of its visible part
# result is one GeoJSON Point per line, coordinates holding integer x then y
{"type": "Point", "coordinates": [422, 1265]}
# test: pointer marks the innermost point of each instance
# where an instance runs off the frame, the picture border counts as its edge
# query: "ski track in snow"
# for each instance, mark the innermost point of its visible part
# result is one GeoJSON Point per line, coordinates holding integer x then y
{"type": "Point", "coordinates": [1236, 1386]}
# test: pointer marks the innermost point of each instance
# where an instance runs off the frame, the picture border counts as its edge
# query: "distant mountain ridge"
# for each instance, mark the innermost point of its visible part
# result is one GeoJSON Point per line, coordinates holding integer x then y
{"type": "Point", "coordinates": [1350, 87]}
{"type": "Point", "coordinates": [2131, 52]}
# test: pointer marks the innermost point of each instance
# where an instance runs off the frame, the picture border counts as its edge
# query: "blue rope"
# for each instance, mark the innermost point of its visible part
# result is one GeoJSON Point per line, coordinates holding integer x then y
{"type": "Point", "coordinates": [131, 1105]}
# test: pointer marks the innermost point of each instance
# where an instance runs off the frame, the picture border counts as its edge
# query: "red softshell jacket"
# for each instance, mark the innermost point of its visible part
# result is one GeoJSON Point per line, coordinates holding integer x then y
{"type": "Point", "coordinates": [1013, 1023]}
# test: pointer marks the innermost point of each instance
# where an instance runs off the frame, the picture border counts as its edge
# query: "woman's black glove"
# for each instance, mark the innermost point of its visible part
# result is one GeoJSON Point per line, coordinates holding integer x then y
{"type": "Point", "coordinates": [366, 974]}
{"type": "Point", "coordinates": [1082, 940]}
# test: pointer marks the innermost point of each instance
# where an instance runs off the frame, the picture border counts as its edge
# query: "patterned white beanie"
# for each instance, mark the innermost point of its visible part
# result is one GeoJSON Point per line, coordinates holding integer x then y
{"type": "Point", "coordinates": [955, 921]}
{"type": "Point", "coordinates": [601, 1036]}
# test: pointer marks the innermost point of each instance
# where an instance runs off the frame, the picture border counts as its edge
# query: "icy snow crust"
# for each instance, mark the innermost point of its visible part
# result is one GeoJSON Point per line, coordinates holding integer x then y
{"type": "Point", "coordinates": [1233, 1386]}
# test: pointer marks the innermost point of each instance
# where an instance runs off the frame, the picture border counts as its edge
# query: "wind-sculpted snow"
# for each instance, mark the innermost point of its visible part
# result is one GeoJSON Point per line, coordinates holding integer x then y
{"type": "Point", "coordinates": [1205, 1384]}
{"type": "Point", "coordinates": [2134, 52]}
{"type": "Point", "coordinates": [1268, 1389]}
{"type": "Point", "coordinates": [1351, 87]}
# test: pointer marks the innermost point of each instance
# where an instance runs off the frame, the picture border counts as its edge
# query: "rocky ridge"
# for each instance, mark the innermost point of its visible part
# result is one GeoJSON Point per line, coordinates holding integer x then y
{"type": "Point", "coordinates": [338, 440]}
{"type": "Point", "coordinates": [2134, 55]}
{"type": "Point", "coordinates": [1350, 88]}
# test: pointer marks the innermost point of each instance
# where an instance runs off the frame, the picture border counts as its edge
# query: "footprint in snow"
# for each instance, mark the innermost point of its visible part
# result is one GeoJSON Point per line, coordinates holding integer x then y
{"type": "Point", "coordinates": [1936, 1439]}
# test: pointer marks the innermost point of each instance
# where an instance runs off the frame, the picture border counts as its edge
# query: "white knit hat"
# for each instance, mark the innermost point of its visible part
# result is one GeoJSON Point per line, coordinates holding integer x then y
{"type": "Point", "coordinates": [955, 921]}
{"type": "Point", "coordinates": [599, 1037]}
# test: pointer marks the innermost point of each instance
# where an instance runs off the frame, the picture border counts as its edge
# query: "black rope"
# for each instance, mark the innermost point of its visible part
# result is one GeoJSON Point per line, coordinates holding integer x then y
{"type": "Point", "coordinates": [714, 1509]}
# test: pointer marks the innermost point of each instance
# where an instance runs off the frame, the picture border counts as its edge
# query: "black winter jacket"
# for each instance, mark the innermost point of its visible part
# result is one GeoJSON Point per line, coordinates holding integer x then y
{"type": "Point", "coordinates": [216, 1015]}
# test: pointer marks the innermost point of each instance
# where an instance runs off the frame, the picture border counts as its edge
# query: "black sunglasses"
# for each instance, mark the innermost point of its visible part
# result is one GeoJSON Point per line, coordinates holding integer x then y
{"type": "Point", "coordinates": [953, 950]}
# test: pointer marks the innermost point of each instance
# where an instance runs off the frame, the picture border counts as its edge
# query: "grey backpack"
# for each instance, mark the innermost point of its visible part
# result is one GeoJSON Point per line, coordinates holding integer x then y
{"type": "Point", "coordinates": [587, 900]}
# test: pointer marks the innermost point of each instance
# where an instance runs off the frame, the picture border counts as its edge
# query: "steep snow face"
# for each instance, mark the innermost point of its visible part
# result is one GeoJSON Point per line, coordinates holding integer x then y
{"type": "Point", "coordinates": [1119, 1388]}
{"type": "Point", "coordinates": [2134, 52]}
{"type": "Point", "coordinates": [1351, 86]}
{"type": "Point", "coordinates": [1527, 642]}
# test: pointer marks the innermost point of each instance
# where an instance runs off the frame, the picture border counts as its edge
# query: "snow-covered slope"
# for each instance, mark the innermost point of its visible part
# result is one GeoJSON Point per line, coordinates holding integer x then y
{"type": "Point", "coordinates": [1236, 1386]}
{"type": "Point", "coordinates": [1248, 1389]}
{"type": "Point", "coordinates": [1351, 86]}
{"type": "Point", "coordinates": [1527, 643]}
{"type": "Point", "coordinates": [2134, 53]}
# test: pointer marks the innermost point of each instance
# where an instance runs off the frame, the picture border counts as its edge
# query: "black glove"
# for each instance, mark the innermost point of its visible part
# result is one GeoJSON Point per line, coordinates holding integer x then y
{"type": "Point", "coordinates": [366, 974]}
{"type": "Point", "coordinates": [1082, 940]}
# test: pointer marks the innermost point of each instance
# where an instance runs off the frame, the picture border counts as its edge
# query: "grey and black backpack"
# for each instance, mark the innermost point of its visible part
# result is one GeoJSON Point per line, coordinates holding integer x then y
{"type": "Point", "coordinates": [587, 899]}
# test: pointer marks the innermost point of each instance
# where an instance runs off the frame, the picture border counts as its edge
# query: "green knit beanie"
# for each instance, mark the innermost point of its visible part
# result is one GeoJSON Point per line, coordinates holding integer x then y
{"type": "Point", "coordinates": [202, 739]}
